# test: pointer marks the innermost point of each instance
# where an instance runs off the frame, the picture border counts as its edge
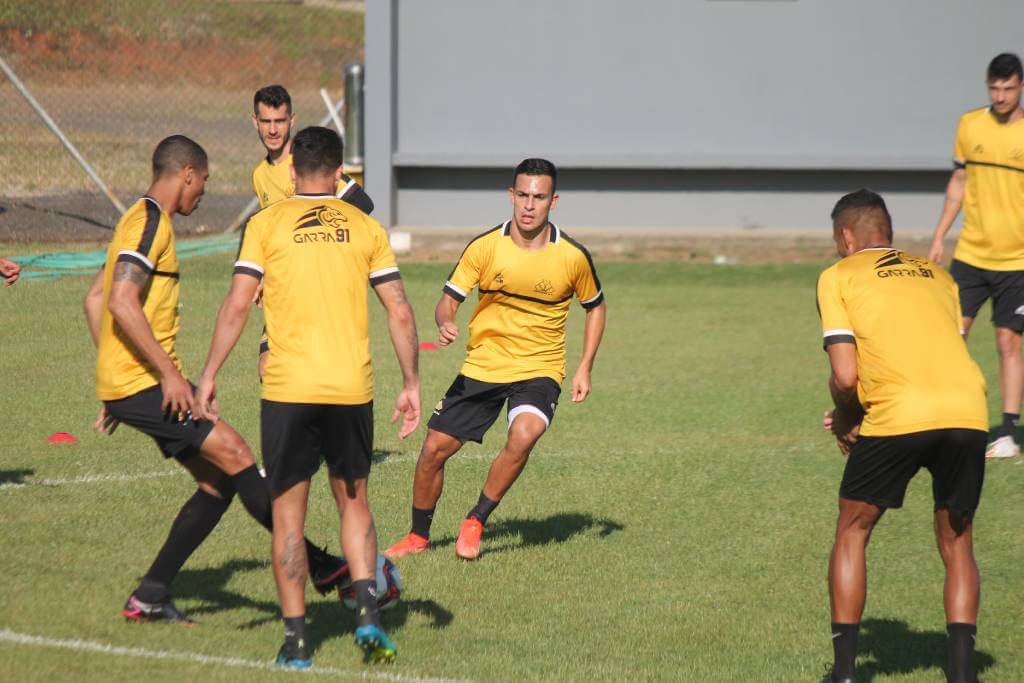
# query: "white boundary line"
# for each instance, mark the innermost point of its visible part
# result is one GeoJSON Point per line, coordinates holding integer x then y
{"type": "Point", "coordinates": [9, 636]}
{"type": "Point", "coordinates": [92, 479]}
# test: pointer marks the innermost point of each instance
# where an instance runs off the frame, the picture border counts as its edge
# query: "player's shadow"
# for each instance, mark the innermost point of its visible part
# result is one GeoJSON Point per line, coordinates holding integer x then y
{"type": "Point", "coordinates": [518, 532]}
{"type": "Point", "coordinates": [15, 476]}
{"type": "Point", "coordinates": [378, 456]}
{"type": "Point", "coordinates": [890, 648]}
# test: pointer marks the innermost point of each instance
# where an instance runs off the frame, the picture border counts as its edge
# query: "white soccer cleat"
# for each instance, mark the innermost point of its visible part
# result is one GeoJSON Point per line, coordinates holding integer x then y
{"type": "Point", "coordinates": [1003, 447]}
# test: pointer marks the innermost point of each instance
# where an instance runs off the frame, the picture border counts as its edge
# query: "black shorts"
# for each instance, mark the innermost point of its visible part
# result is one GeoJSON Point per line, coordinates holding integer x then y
{"type": "Point", "coordinates": [470, 407]}
{"type": "Point", "coordinates": [295, 436]}
{"type": "Point", "coordinates": [1004, 287]}
{"type": "Point", "coordinates": [178, 440]}
{"type": "Point", "coordinates": [880, 467]}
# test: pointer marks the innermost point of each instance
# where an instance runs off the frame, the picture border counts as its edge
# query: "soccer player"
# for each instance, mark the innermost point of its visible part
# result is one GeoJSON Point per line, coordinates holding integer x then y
{"type": "Point", "coordinates": [907, 395]}
{"type": "Point", "coordinates": [988, 182]}
{"type": "Point", "coordinates": [527, 271]}
{"type": "Point", "coordinates": [9, 271]}
{"type": "Point", "coordinates": [132, 311]}
{"type": "Point", "coordinates": [316, 256]}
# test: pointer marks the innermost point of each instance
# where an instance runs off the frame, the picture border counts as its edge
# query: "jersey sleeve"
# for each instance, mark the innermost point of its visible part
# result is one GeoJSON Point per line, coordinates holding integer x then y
{"type": "Point", "coordinates": [587, 286]}
{"type": "Point", "coordinates": [142, 240]}
{"type": "Point", "coordinates": [960, 146]}
{"type": "Point", "coordinates": [251, 258]}
{"type": "Point", "coordinates": [383, 267]}
{"type": "Point", "coordinates": [466, 273]}
{"type": "Point", "coordinates": [835, 320]}
{"type": "Point", "coordinates": [351, 192]}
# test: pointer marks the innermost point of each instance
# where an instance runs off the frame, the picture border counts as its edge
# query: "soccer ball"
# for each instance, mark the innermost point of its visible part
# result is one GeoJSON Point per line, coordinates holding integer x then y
{"type": "Point", "coordinates": [389, 585]}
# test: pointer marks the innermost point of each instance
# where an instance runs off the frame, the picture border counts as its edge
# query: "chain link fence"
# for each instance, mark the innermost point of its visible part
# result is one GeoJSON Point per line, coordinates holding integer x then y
{"type": "Point", "coordinates": [118, 76]}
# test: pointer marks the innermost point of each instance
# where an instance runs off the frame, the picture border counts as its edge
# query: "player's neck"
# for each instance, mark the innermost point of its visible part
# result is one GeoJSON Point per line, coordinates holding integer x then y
{"type": "Point", "coordinates": [530, 240]}
{"type": "Point", "coordinates": [167, 195]}
{"type": "Point", "coordinates": [275, 157]}
{"type": "Point", "coordinates": [1012, 117]}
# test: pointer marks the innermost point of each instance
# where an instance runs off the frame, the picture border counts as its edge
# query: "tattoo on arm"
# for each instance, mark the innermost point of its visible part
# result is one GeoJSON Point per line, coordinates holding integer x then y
{"type": "Point", "coordinates": [293, 559]}
{"type": "Point", "coordinates": [414, 344]}
{"type": "Point", "coordinates": [130, 272]}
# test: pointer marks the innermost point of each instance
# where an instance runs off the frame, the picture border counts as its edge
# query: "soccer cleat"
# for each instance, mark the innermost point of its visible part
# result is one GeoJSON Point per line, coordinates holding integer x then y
{"type": "Point", "coordinates": [468, 544]}
{"type": "Point", "coordinates": [377, 647]}
{"type": "Point", "coordinates": [165, 611]}
{"type": "Point", "coordinates": [293, 656]}
{"type": "Point", "coordinates": [328, 573]}
{"type": "Point", "coordinates": [829, 679]}
{"type": "Point", "coordinates": [411, 544]}
{"type": "Point", "coordinates": [1003, 447]}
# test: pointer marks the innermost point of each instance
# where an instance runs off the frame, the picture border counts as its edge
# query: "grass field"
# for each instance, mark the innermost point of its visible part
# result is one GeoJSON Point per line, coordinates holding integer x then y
{"type": "Point", "coordinates": [674, 527]}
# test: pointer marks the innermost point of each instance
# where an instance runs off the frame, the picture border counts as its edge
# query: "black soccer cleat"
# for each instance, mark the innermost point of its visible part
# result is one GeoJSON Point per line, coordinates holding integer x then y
{"type": "Point", "coordinates": [327, 571]}
{"type": "Point", "coordinates": [164, 611]}
{"type": "Point", "coordinates": [829, 679]}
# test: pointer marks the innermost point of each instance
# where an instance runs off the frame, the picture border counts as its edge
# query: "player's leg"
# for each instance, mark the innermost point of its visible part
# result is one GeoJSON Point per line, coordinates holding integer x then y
{"type": "Point", "coordinates": [531, 408]}
{"type": "Point", "coordinates": [974, 289]}
{"type": "Point", "coordinates": [291, 567]}
{"type": "Point", "coordinates": [1011, 386]}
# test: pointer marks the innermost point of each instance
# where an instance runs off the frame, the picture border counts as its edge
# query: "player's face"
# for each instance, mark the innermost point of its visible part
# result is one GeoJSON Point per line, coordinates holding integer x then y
{"type": "Point", "coordinates": [274, 124]}
{"type": "Point", "coordinates": [195, 187]}
{"type": "Point", "coordinates": [533, 198]}
{"type": "Point", "coordinates": [1004, 94]}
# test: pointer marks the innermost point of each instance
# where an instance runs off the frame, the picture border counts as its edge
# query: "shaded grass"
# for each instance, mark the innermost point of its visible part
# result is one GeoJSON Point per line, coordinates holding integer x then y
{"type": "Point", "coordinates": [673, 527]}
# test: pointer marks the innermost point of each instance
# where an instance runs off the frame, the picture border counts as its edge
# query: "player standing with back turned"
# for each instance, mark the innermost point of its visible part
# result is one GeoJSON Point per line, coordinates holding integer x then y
{"type": "Point", "coordinates": [527, 271]}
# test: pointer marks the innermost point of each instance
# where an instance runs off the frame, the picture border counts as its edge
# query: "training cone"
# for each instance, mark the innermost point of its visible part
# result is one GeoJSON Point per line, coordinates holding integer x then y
{"type": "Point", "coordinates": [428, 346]}
{"type": "Point", "coordinates": [62, 437]}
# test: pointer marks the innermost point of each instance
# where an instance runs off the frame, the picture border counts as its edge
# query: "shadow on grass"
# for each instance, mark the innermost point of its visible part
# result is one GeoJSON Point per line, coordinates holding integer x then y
{"type": "Point", "coordinates": [378, 456]}
{"type": "Point", "coordinates": [500, 536]}
{"type": "Point", "coordinates": [326, 618]}
{"type": "Point", "coordinates": [891, 648]}
{"type": "Point", "coordinates": [15, 476]}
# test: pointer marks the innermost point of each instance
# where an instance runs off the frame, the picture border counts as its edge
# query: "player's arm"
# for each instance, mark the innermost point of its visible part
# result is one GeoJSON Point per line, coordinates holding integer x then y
{"type": "Point", "coordinates": [92, 304]}
{"type": "Point", "coordinates": [844, 420]}
{"type": "Point", "coordinates": [593, 330]}
{"type": "Point", "coordinates": [231, 319]}
{"type": "Point", "coordinates": [125, 305]}
{"type": "Point", "coordinates": [402, 327]}
{"type": "Point", "coordinates": [950, 209]}
{"type": "Point", "coordinates": [353, 193]}
{"type": "Point", "coordinates": [444, 316]}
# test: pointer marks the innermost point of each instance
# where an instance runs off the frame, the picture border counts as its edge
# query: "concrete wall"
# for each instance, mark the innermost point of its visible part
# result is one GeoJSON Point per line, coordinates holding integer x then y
{"type": "Point", "coordinates": [696, 113]}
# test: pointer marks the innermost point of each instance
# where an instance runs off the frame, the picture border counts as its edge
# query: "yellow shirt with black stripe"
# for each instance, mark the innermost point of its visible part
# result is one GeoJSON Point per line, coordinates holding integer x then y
{"type": "Point", "coordinates": [914, 372]}
{"type": "Point", "coordinates": [992, 154]}
{"type": "Point", "coordinates": [143, 237]}
{"type": "Point", "coordinates": [273, 182]}
{"type": "Point", "coordinates": [316, 255]}
{"type": "Point", "coordinates": [517, 331]}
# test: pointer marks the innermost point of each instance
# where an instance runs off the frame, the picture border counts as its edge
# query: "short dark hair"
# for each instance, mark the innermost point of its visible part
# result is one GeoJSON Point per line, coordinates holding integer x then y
{"type": "Point", "coordinates": [535, 166]}
{"type": "Point", "coordinates": [1006, 65]}
{"type": "Point", "coordinates": [175, 153]}
{"type": "Point", "coordinates": [317, 150]}
{"type": "Point", "coordinates": [866, 204]}
{"type": "Point", "coordinates": [273, 96]}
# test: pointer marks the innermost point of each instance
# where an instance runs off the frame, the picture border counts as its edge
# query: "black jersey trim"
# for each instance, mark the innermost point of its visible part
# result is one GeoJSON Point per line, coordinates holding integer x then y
{"type": "Point", "coordinates": [243, 270]}
{"type": "Point", "coordinates": [386, 277]}
{"type": "Point", "coordinates": [164, 273]}
{"type": "Point", "coordinates": [839, 339]}
{"type": "Point", "coordinates": [991, 165]}
{"type": "Point", "coordinates": [447, 289]}
{"type": "Point", "coordinates": [264, 346]}
{"type": "Point", "coordinates": [598, 300]}
{"type": "Point", "coordinates": [354, 194]}
{"type": "Point", "coordinates": [152, 223]}
{"type": "Point", "coordinates": [132, 257]}
{"type": "Point", "coordinates": [590, 261]}
{"type": "Point", "coordinates": [483, 234]}
{"type": "Point", "coordinates": [526, 298]}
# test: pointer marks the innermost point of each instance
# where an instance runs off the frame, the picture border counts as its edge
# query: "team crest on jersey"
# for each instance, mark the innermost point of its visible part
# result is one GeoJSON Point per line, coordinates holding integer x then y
{"type": "Point", "coordinates": [321, 224]}
{"type": "Point", "coordinates": [500, 278]}
{"type": "Point", "coordinates": [544, 287]}
{"type": "Point", "coordinates": [979, 149]}
{"type": "Point", "coordinates": [895, 263]}
{"type": "Point", "coordinates": [1017, 154]}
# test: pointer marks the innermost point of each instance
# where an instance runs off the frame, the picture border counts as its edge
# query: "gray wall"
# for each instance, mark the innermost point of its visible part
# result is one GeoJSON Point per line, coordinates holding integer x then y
{"type": "Point", "coordinates": [683, 113]}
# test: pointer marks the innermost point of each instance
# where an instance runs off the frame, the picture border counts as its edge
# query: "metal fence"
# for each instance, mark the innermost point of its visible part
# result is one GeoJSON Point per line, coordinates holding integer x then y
{"type": "Point", "coordinates": [119, 76]}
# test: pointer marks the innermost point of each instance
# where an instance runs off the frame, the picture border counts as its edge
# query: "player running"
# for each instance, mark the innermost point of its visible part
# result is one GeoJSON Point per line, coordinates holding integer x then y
{"type": "Point", "coordinates": [988, 182]}
{"type": "Point", "coordinates": [132, 311]}
{"type": "Point", "coordinates": [527, 271]}
{"type": "Point", "coordinates": [907, 395]}
{"type": "Point", "coordinates": [316, 256]}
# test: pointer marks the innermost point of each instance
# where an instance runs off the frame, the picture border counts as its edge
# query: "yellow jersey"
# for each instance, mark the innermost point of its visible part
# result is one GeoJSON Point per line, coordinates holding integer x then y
{"type": "Point", "coordinates": [914, 372]}
{"type": "Point", "coordinates": [145, 238]}
{"type": "Point", "coordinates": [517, 331]}
{"type": "Point", "coordinates": [273, 182]}
{"type": "Point", "coordinates": [992, 155]}
{"type": "Point", "coordinates": [317, 256]}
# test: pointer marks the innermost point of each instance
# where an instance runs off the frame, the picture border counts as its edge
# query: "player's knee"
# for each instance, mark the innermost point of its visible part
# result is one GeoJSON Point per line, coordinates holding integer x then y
{"type": "Point", "coordinates": [524, 433]}
{"type": "Point", "coordinates": [1008, 344]}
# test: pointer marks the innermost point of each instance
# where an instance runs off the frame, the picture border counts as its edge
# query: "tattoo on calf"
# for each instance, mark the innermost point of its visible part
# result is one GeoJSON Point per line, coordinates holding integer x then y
{"type": "Point", "coordinates": [293, 559]}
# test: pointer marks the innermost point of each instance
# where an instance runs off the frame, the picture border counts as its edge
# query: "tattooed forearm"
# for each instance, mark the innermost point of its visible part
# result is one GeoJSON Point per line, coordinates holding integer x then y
{"type": "Point", "coordinates": [130, 272]}
{"type": "Point", "coordinates": [293, 558]}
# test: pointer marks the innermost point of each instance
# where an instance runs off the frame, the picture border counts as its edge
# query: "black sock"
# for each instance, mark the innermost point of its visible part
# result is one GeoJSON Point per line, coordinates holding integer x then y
{"type": "Point", "coordinates": [295, 636]}
{"type": "Point", "coordinates": [844, 646]}
{"type": "Point", "coordinates": [252, 489]}
{"type": "Point", "coordinates": [366, 602]}
{"type": "Point", "coordinates": [421, 520]}
{"type": "Point", "coordinates": [1009, 426]}
{"type": "Point", "coordinates": [483, 509]}
{"type": "Point", "coordinates": [961, 651]}
{"type": "Point", "coordinates": [196, 519]}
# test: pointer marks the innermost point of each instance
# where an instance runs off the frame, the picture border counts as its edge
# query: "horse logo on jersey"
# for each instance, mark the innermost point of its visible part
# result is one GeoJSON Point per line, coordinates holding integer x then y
{"type": "Point", "coordinates": [321, 224]}
{"type": "Point", "coordinates": [912, 266]}
{"type": "Point", "coordinates": [544, 287]}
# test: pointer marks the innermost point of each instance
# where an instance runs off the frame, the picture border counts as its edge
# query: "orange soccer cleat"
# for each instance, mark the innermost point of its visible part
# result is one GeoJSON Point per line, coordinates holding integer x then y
{"type": "Point", "coordinates": [468, 545]}
{"type": "Point", "coordinates": [411, 544]}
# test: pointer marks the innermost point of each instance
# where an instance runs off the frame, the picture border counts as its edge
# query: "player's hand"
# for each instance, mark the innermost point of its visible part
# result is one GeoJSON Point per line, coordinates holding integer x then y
{"type": "Point", "coordinates": [580, 385]}
{"type": "Point", "coordinates": [936, 252]}
{"type": "Point", "coordinates": [407, 405]}
{"type": "Point", "coordinates": [845, 428]}
{"type": "Point", "coordinates": [257, 298]}
{"type": "Point", "coordinates": [9, 271]}
{"type": "Point", "coordinates": [206, 400]}
{"type": "Point", "coordinates": [178, 400]}
{"type": "Point", "coordinates": [105, 422]}
{"type": "Point", "coordinates": [447, 333]}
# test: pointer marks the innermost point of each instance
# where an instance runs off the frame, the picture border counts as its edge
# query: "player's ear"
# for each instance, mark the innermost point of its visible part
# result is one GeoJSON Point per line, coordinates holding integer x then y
{"type": "Point", "coordinates": [338, 173]}
{"type": "Point", "coordinates": [554, 200]}
{"type": "Point", "coordinates": [188, 174]}
{"type": "Point", "coordinates": [255, 122]}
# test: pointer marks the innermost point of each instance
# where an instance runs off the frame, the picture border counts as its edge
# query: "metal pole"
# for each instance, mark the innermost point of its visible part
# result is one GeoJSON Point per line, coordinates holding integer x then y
{"type": "Point", "coordinates": [255, 202]}
{"type": "Point", "coordinates": [354, 76]}
{"type": "Point", "coordinates": [60, 136]}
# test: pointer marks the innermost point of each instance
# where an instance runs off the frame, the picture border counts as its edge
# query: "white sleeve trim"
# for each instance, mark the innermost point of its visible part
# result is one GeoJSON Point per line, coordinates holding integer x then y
{"type": "Point", "coordinates": [384, 271]}
{"type": "Point", "coordinates": [348, 186]}
{"type": "Point", "coordinates": [593, 298]}
{"type": "Point", "coordinates": [526, 408]}
{"type": "Point", "coordinates": [139, 256]}
{"type": "Point", "coordinates": [833, 333]}
{"type": "Point", "coordinates": [250, 264]}
{"type": "Point", "coordinates": [452, 286]}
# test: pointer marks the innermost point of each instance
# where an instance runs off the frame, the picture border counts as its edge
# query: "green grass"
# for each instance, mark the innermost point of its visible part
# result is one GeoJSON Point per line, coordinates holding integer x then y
{"type": "Point", "coordinates": [674, 527]}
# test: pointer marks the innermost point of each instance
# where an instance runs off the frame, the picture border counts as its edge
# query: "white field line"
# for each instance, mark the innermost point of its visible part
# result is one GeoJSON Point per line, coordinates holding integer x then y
{"type": "Point", "coordinates": [92, 479]}
{"type": "Point", "coordinates": [9, 636]}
